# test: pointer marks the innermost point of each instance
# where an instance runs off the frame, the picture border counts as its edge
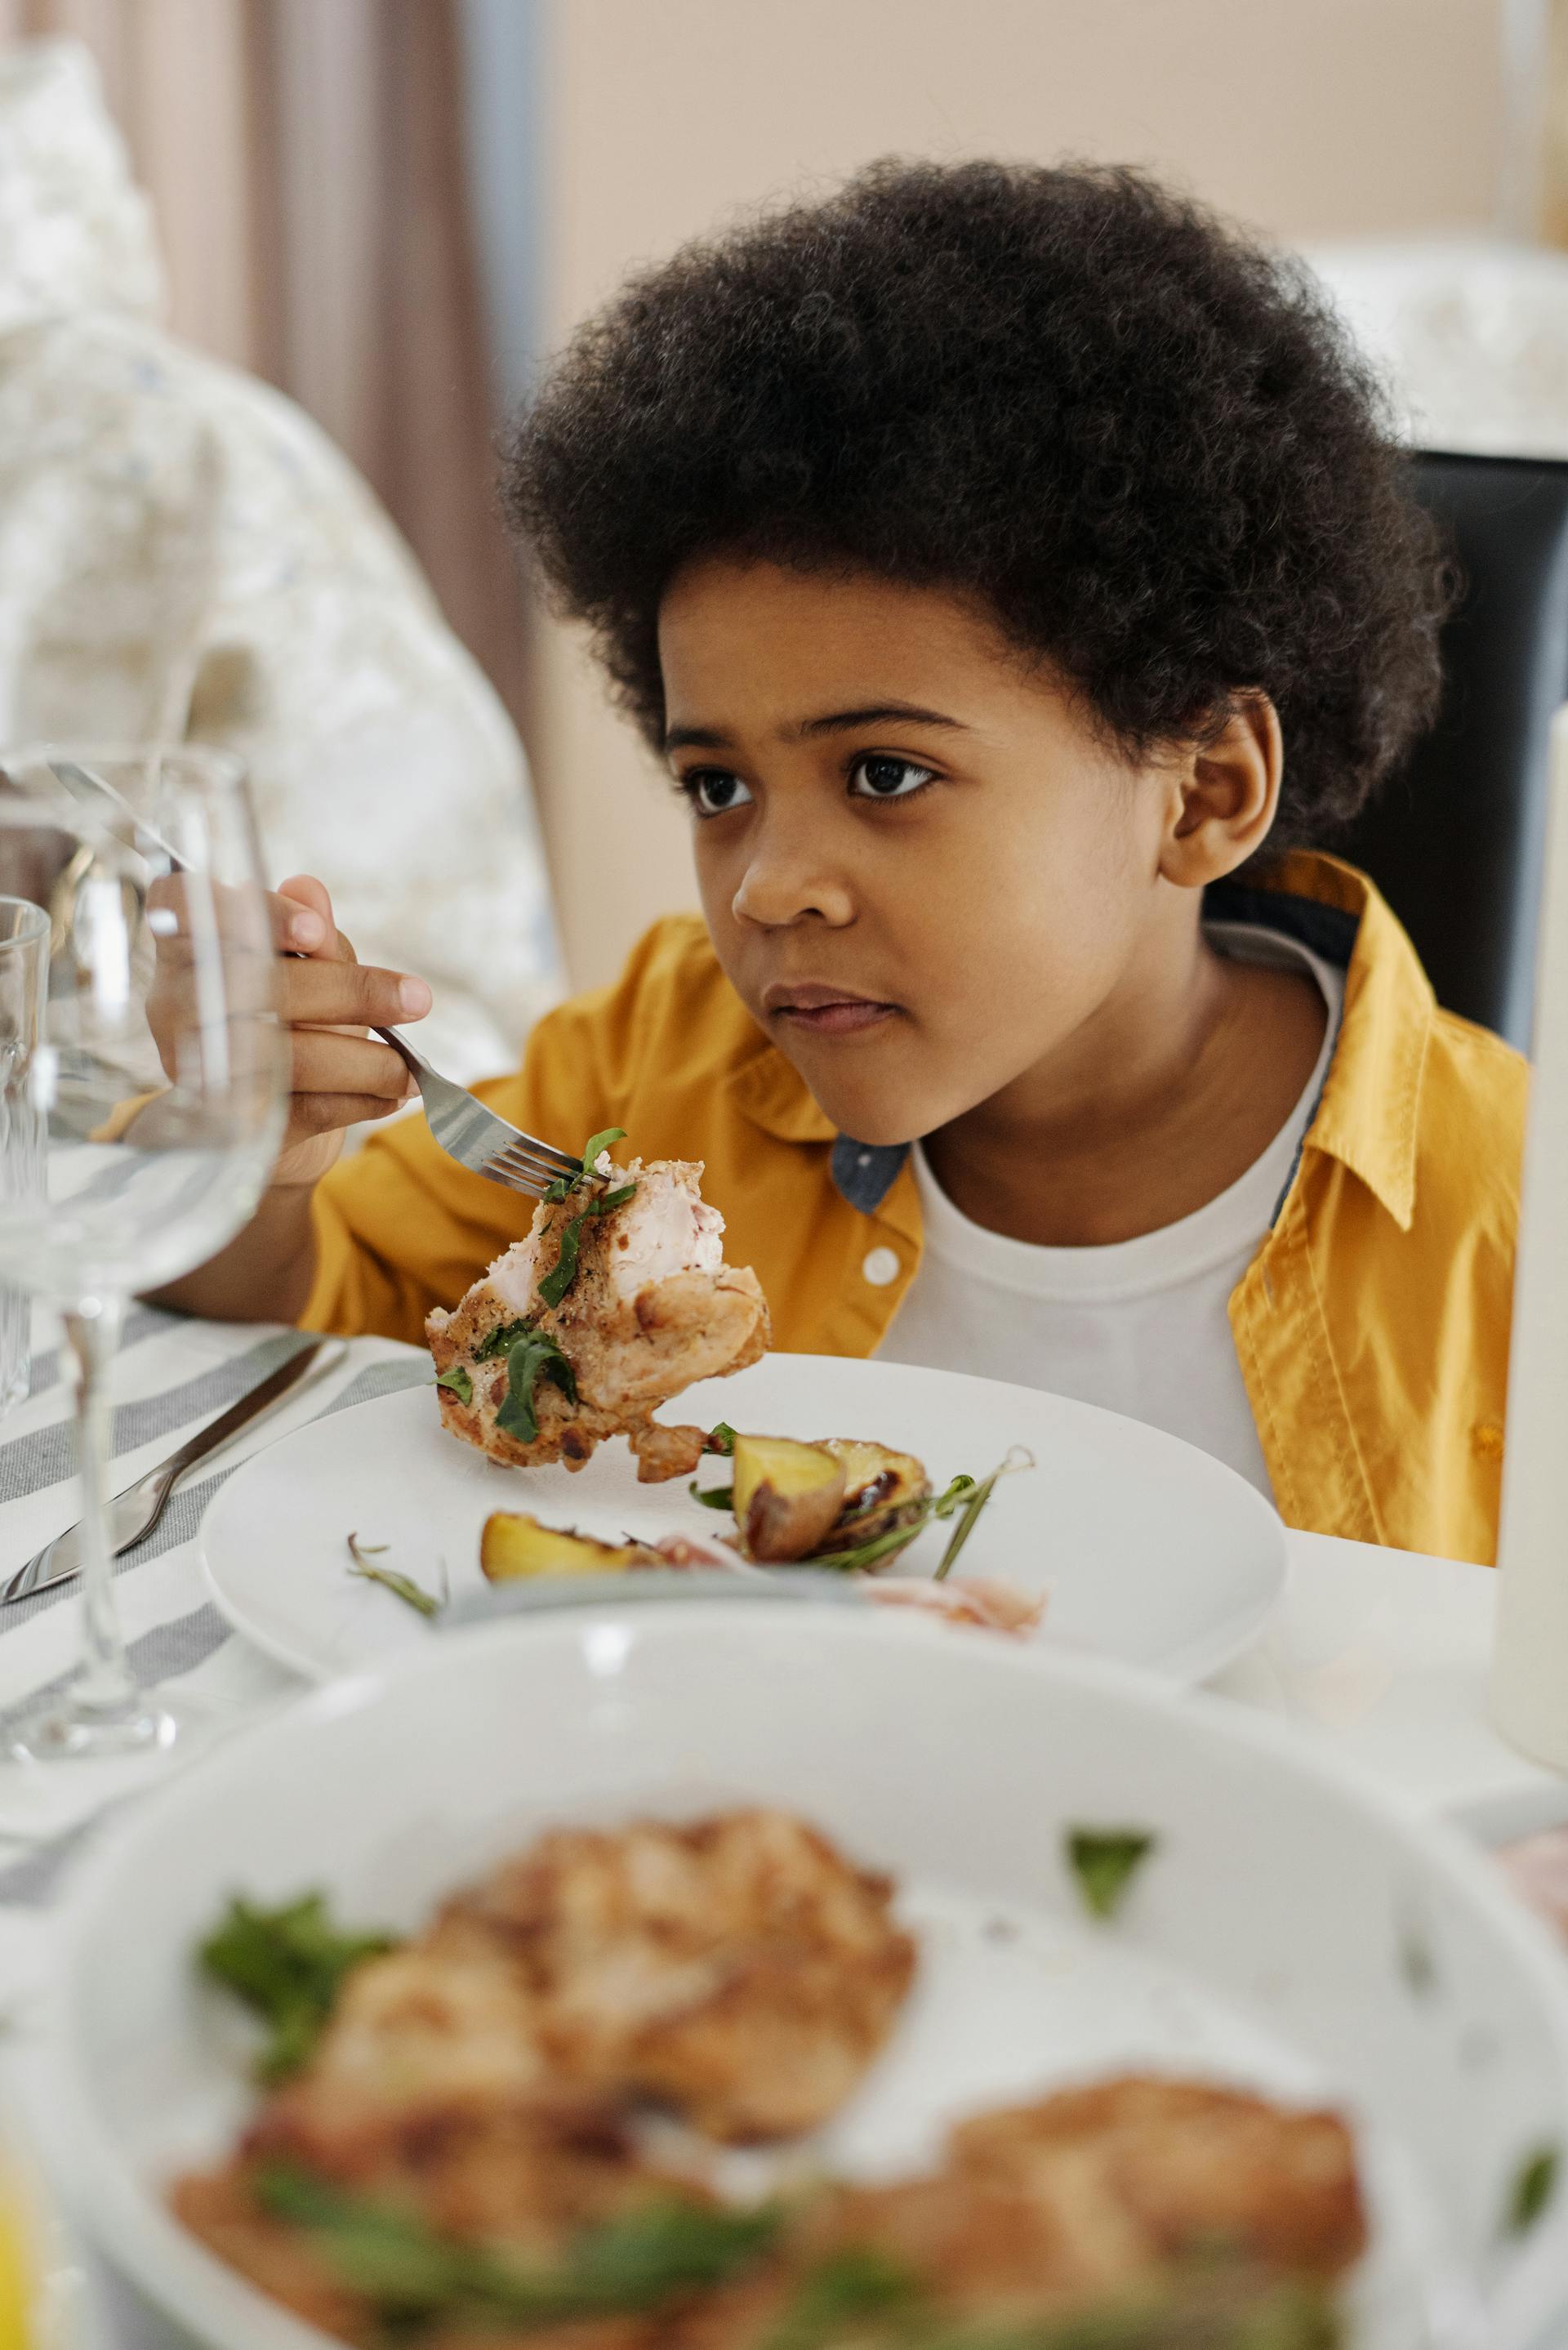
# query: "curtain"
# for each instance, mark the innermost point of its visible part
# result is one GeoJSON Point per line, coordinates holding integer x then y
{"type": "Point", "coordinates": [305, 162]}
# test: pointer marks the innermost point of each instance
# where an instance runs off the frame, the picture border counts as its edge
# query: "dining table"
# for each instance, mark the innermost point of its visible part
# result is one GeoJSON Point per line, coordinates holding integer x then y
{"type": "Point", "coordinates": [1378, 1655]}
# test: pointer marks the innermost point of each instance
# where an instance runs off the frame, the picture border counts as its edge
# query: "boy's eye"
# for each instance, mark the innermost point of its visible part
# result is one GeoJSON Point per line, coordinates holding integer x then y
{"type": "Point", "coordinates": [880, 777]}
{"type": "Point", "coordinates": [713, 792]}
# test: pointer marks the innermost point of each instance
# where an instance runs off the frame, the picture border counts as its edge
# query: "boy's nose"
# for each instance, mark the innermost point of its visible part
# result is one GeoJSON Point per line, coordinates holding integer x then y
{"type": "Point", "coordinates": [787, 881]}
{"type": "Point", "coordinates": [772, 896]}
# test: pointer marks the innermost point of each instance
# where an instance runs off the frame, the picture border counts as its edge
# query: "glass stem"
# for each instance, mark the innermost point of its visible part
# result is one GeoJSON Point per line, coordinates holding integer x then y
{"type": "Point", "coordinates": [105, 1684]}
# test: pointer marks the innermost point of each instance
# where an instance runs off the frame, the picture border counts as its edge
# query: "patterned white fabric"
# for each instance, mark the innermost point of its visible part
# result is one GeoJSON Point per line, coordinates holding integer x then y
{"type": "Point", "coordinates": [183, 554]}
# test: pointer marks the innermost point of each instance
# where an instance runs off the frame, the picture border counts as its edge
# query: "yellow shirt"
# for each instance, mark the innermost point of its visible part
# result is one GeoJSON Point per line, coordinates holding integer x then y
{"type": "Point", "coordinates": [1372, 1327]}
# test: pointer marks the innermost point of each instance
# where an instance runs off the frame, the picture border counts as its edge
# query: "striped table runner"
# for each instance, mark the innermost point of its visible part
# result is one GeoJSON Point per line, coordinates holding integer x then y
{"type": "Point", "coordinates": [173, 1374]}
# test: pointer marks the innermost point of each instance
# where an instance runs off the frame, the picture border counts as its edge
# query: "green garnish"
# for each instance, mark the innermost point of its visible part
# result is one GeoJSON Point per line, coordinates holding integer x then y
{"type": "Point", "coordinates": [841, 2295]}
{"type": "Point", "coordinates": [1535, 2183]}
{"type": "Point", "coordinates": [720, 1439]}
{"type": "Point", "coordinates": [458, 1380]}
{"type": "Point", "coordinates": [288, 1966]}
{"type": "Point", "coordinates": [500, 1340]}
{"type": "Point", "coordinates": [401, 1586]}
{"type": "Point", "coordinates": [565, 1185]}
{"type": "Point", "coordinates": [712, 1497]}
{"type": "Point", "coordinates": [554, 1286]}
{"type": "Point", "coordinates": [649, 2257]}
{"type": "Point", "coordinates": [1105, 1861]}
{"type": "Point", "coordinates": [535, 1357]}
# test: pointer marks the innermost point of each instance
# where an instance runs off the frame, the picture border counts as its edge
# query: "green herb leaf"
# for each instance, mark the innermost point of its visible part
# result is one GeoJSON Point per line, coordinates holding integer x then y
{"type": "Point", "coordinates": [720, 1439]}
{"type": "Point", "coordinates": [840, 2294]}
{"type": "Point", "coordinates": [639, 2262]}
{"type": "Point", "coordinates": [597, 1142]}
{"type": "Point", "coordinates": [499, 1341]}
{"type": "Point", "coordinates": [535, 1357]}
{"type": "Point", "coordinates": [1534, 2184]}
{"type": "Point", "coordinates": [401, 1586]}
{"type": "Point", "coordinates": [1105, 1861]}
{"type": "Point", "coordinates": [712, 1497]}
{"type": "Point", "coordinates": [457, 1378]}
{"type": "Point", "coordinates": [554, 1286]}
{"type": "Point", "coordinates": [565, 1185]}
{"type": "Point", "coordinates": [288, 1966]}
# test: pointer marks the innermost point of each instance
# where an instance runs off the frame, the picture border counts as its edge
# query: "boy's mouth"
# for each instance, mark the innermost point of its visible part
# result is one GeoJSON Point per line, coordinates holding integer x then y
{"type": "Point", "coordinates": [824, 1010]}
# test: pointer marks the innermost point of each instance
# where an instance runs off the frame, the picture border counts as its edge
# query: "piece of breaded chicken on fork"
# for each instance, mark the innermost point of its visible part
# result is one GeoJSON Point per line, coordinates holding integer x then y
{"type": "Point", "coordinates": [618, 1299]}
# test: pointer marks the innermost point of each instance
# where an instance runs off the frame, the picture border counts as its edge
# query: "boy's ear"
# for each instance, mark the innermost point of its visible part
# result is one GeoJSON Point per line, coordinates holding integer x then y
{"type": "Point", "coordinates": [1225, 794]}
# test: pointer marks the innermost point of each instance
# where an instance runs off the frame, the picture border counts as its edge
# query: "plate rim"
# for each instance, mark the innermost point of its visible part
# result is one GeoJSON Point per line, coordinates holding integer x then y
{"type": "Point", "coordinates": [1194, 1662]}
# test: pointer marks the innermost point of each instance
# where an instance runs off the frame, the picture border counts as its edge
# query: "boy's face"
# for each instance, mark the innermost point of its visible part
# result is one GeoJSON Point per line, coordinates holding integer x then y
{"type": "Point", "coordinates": [925, 874]}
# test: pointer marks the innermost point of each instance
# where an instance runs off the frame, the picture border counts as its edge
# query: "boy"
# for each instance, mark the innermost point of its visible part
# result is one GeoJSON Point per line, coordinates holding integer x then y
{"type": "Point", "coordinates": [1012, 567]}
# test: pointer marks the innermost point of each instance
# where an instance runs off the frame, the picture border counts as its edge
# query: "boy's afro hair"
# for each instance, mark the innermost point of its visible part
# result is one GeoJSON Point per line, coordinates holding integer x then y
{"type": "Point", "coordinates": [1143, 442]}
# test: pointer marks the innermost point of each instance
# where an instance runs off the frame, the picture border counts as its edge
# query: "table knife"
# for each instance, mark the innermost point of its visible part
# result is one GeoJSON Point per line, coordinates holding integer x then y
{"type": "Point", "coordinates": [133, 1513]}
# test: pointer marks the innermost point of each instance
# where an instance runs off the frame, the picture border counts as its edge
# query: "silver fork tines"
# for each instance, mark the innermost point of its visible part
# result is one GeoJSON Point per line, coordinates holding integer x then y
{"type": "Point", "coordinates": [475, 1136]}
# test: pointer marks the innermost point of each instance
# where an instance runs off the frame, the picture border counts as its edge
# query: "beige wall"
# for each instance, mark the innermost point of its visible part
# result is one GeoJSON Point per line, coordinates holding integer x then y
{"type": "Point", "coordinates": [1310, 118]}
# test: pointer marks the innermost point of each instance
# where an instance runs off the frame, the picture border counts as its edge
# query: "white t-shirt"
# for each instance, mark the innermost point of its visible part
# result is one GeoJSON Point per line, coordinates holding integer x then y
{"type": "Point", "coordinates": [1140, 1327]}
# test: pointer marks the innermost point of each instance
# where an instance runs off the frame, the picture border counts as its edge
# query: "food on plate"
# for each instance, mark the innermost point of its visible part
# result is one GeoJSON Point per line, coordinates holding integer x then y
{"type": "Point", "coordinates": [780, 1486]}
{"type": "Point", "coordinates": [1104, 1863]}
{"type": "Point", "coordinates": [618, 1299]}
{"type": "Point", "coordinates": [288, 1965]}
{"type": "Point", "coordinates": [983, 1600]}
{"type": "Point", "coordinates": [786, 1496]}
{"type": "Point", "coordinates": [883, 1490]}
{"type": "Point", "coordinates": [362, 1565]}
{"type": "Point", "coordinates": [456, 2156]}
{"type": "Point", "coordinates": [513, 1545]}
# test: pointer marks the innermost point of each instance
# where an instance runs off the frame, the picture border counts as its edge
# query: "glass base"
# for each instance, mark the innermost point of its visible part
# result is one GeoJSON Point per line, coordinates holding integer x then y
{"type": "Point", "coordinates": [65, 1729]}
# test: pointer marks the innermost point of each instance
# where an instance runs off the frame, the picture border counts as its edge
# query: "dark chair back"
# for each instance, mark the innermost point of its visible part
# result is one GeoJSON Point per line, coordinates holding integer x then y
{"type": "Point", "coordinates": [1455, 841]}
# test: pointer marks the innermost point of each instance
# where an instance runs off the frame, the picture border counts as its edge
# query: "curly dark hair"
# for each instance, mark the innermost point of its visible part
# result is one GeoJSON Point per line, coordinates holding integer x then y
{"type": "Point", "coordinates": [1142, 440]}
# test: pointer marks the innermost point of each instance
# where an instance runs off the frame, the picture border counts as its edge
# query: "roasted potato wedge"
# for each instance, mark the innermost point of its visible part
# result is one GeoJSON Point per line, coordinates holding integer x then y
{"type": "Point", "coordinates": [513, 1545]}
{"type": "Point", "coordinates": [881, 1489]}
{"type": "Point", "coordinates": [786, 1495]}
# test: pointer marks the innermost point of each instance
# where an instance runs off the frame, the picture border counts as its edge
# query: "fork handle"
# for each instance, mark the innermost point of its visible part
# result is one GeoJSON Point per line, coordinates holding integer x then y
{"type": "Point", "coordinates": [405, 1051]}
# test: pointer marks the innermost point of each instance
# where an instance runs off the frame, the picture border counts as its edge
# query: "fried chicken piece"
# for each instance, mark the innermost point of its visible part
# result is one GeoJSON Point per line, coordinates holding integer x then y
{"type": "Point", "coordinates": [737, 1968]}
{"type": "Point", "coordinates": [1180, 2165]}
{"type": "Point", "coordinates": [653, 1308]}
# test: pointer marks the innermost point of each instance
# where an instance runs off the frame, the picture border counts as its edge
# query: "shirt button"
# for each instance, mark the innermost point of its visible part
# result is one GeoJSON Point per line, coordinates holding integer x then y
{"type": "Point", "coordinates": [881, 1266]}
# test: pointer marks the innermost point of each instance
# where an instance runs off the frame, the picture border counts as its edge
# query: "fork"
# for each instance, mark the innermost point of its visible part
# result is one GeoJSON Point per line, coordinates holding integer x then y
{"type": "Point", "coordinates": [486, 1145]}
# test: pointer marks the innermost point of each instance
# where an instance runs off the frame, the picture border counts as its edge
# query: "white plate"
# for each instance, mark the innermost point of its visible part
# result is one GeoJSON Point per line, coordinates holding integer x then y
{"type": "Point", "coordinates": [1273, 1938]}
{"type": "Point", "coordinates": [1150, 1551]}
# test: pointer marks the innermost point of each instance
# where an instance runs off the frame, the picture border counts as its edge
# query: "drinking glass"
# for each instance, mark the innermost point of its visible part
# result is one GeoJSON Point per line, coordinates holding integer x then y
{"type": "Point", "coordinates": [152, 1103]}
{"type": "Point", "coordinates": [23, 974]}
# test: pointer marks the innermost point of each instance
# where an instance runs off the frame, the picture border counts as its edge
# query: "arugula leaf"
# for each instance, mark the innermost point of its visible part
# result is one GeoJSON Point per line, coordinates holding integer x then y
{"type": "Point", "coordinates": [712, 1497]}
{"type": "Point", "coordinates": [535, 1357]}
{"type": "Point", "coordinates": [500, 1340]}
{"type": "Point", "coordinates": [288, 1966]}
{"type": "Point", "coordinates": [1105, 1861]}
{"type": "Point", "coordinates": [456, 1378]}
{"type": "Point", "coordinates": [1535, 2183]}
{"type": "Point", "coordinates": [639, 2262]}
{"type": "Point", "coordinates": [554, 1286]}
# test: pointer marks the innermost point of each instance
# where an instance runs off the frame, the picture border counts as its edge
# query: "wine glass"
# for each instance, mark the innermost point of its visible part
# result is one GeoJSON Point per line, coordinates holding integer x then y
{"type": "Point", "coordinates": [141, 1105]}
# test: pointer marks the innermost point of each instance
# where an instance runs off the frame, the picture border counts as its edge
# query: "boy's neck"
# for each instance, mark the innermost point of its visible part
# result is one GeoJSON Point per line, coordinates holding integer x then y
{"type": "Point", "coordinates": [1158, 1103]}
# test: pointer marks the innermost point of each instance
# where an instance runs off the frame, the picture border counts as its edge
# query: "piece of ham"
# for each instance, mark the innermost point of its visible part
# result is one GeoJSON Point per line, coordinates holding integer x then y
{"type": "Point", "coordinates": [652, 1309]}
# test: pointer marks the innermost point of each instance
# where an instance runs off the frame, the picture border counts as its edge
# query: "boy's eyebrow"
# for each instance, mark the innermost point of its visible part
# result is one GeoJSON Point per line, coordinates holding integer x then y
{"type": "Point", "coordinates": [839, 721]}
{"type": "Point", "coordinates": [835, 722]}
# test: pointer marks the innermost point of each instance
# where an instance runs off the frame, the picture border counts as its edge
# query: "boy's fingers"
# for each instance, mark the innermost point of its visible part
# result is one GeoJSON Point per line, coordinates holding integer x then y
{"type": "Point", "coordinates": [310, 1114]}
{"type": "Point", "coordinates": [326, 1063]}
{"type": "Point", "coordinates": [350, 995]}
{"type": "Point", "coordinates": [303, 921]}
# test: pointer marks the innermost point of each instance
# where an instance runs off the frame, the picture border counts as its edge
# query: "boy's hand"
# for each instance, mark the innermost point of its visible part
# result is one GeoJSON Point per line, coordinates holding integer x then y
{"type": "Point", "coordinates": [340, 1075]}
